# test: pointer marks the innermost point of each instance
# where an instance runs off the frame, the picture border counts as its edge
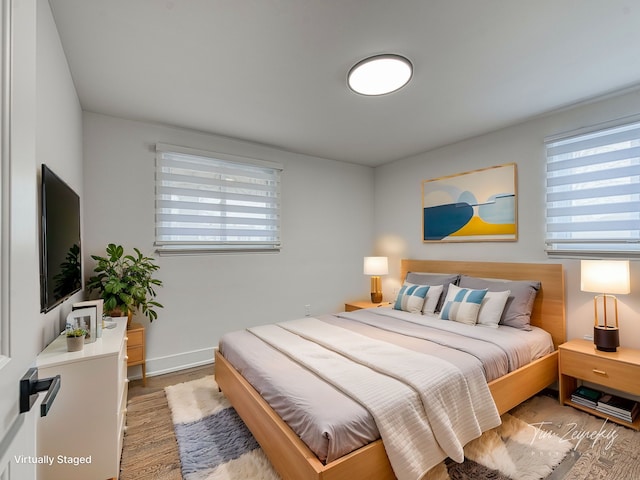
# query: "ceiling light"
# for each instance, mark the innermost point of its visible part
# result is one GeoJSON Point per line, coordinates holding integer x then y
{"type": "Point", "coordinates": [380, 74]}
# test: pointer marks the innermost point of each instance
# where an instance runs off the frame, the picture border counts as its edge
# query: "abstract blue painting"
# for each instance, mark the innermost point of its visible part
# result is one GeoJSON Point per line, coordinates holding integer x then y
{"type": "Point", "coordinates": [480, 205]}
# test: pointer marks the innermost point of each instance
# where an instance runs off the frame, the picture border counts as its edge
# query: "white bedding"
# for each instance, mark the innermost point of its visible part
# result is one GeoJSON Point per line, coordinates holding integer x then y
{"type": "Point", "coordinates": [521, 347]}
{"type": "Point", "coordinates": [425, 407]}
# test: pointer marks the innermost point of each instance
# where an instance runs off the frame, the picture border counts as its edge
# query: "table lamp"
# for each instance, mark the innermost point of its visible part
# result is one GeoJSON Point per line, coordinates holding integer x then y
{"type": "Point", "coordinates": [605, 277]}
{"type": "Point", "coordinates": [376, 266]}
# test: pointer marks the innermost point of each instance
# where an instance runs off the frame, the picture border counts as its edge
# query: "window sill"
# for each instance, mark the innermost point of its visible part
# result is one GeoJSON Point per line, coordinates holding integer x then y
{"type": "Point", "coordinates": [213, 250]}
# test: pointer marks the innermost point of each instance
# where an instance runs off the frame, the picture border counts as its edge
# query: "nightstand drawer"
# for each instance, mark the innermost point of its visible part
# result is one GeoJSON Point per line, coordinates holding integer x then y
{"type": "Point", "coordinates": [135, 354]}
{"type": "Point", "coordinates": [135, 338]}
{"type": "Point", "coordinates": [603, 371]}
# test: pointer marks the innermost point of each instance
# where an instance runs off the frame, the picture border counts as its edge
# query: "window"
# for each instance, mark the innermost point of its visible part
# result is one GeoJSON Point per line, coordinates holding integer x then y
{"type": "Point", "coordinates": [213, 202]}
{"type": "Point", "coordinates": [593, 193]}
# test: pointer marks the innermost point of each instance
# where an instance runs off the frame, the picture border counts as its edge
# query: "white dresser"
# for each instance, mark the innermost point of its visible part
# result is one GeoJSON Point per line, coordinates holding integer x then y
{"type": "Point", "coordinates": [81, 436]}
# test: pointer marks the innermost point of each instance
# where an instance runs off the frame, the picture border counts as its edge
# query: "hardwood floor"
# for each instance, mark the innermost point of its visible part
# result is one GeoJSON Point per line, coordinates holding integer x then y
{"type": "Point", "coordinates": [149, 449]}
{"type": "Point", "coordinates": [158, 382]}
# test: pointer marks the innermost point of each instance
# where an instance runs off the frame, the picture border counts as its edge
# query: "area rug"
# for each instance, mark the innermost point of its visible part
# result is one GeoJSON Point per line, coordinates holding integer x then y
{"type": "Point", "coordinates": [514, 450]}
{"type": "Point", "coordinates": [214, 443]}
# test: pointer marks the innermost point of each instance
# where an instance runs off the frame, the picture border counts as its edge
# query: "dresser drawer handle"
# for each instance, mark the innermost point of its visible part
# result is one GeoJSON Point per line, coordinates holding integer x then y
{"type": "Point", "coordinates": [599, 372]}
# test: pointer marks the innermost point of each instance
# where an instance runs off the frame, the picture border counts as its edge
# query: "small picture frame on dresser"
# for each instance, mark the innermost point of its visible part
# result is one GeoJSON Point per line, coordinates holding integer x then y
{"type": "Point", "coordinates": [85, 318]}
{"type": "Point", "coordinates": [99, 306]}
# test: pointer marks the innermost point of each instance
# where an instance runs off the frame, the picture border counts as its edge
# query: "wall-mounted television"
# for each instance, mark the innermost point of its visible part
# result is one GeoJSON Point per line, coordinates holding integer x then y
{"type": "Point", "coordinates": [60, 254]}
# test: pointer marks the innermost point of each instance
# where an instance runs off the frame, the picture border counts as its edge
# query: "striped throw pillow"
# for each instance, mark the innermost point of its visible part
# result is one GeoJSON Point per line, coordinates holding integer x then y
{"type": "Point", "coordinates": [411, 298]}
{"type": "Point", "coordinates": [462, 304]}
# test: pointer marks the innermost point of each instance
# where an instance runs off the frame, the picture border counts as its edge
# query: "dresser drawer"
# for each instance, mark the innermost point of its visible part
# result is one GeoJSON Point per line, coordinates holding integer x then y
{"type": "Point", "coordinates": [607, 372]}
{"type": "Point", "coordinates": [135, 338]}
{"type": "Point", "coordinates": [135, 354]}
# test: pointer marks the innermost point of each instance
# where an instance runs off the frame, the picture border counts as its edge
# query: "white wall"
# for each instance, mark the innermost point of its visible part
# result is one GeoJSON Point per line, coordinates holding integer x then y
{"type": "Point", "coordinates": [399, 206]}
{"type": "Point", "coordinates": [327, 228]}
{"type": "Point", "coordinates": [58, 136]}
{"type": "Point", "coordinates": [44, 123]}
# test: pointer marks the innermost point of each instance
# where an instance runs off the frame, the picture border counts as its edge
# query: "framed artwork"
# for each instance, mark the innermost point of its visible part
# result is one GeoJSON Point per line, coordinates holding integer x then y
{"type": "Point", "coordinates": [86, 319]}
{"type": "Point", "coordinates": [476, 206]}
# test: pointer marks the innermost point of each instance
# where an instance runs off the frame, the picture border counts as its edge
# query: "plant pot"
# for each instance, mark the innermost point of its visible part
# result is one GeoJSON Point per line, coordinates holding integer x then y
{"type": "Point", "coordinates": [75, 344]}
{"type": "Point", "coordinates": [117, 313]}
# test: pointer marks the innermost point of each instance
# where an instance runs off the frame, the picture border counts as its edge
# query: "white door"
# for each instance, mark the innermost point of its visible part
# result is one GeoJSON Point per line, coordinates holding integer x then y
{"type": "Point", "coordinates": [19, 300]}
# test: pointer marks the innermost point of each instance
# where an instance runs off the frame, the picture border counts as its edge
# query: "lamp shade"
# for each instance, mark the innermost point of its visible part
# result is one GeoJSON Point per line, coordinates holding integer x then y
{"type": "Point", "coordinates": [376, 266]}
{"type": "Point", "coordinates": [605, 276]}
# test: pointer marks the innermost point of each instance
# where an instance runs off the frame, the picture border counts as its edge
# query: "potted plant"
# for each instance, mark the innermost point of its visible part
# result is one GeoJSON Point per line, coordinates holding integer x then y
{"type": "Point", "coordinates": [75, 339]}
{"type": "Point", "coordinates": [126, 282]}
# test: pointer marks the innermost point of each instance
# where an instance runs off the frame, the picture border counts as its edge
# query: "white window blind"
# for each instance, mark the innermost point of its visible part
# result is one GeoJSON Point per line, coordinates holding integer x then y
{"type": "Point", "coordinates": [210, 202]}
{"type": "Point", "coordinates": [593, 193]}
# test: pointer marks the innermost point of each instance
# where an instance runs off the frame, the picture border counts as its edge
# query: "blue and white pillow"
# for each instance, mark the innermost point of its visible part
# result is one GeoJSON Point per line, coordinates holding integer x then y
{"type": "Point", "coordinates": [462, 304]}
{"type": "Point", "coordinates": [411, 298]}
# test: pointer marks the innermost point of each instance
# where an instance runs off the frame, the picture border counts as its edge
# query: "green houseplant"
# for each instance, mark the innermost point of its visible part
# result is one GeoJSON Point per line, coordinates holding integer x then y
{"type": "Point", "coordinates": [75, 339]}
{"type": "Point", "coordinates": [125, 282]}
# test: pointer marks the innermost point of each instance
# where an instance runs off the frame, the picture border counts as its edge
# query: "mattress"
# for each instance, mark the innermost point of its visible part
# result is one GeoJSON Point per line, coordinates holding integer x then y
{"type": "Point", "coordinates": [331, 423]}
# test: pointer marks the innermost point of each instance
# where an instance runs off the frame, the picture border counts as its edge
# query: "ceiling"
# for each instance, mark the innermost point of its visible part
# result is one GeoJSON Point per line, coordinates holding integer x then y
{"type": "Point", "coordinates": [274, 71]}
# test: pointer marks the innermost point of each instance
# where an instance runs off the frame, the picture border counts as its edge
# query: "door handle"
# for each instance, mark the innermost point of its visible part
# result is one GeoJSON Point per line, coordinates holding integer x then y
{"type": "Point", "coordinates": [30, 386]}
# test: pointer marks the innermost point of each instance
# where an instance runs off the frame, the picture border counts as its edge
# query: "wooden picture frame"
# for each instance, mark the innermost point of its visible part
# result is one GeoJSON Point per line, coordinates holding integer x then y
{"type": "Point", "coordinates": [475, 206]}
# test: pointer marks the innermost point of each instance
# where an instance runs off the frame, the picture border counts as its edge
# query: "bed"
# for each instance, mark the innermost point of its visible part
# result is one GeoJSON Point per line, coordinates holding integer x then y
{"type": "Point", "coordinates": [294, 460]}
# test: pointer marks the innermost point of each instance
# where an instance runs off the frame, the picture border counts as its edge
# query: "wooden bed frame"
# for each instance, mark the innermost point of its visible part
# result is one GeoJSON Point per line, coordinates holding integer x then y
{"type": "Point", "coordinates": [295, 461]}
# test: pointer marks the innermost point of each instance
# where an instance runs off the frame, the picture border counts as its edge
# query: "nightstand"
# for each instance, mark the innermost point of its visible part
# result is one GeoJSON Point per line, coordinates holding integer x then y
{"type": "Point", "coordinates": [136, 349]}
{"type": "Point", "coordinates": [351, 306]}
{"type": "Point", "coordinates": [579, 360]}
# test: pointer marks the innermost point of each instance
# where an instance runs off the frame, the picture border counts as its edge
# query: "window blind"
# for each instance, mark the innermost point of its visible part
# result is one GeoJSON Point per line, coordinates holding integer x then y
{"type": "Point", "coordinates": [593, 193]}
{"type": "Point", "coordinates": [210, 202]}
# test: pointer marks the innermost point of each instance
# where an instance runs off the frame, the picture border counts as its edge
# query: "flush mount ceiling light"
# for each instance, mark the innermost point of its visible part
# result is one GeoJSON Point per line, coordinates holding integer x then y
{"type": "Point", "coordinates": [380, 74]}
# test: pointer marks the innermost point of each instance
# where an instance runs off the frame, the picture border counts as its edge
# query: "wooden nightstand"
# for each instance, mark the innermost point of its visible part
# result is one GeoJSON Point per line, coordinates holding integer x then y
{"type": "Point", "coordinates": [351, 306]}
{"type": "Point", "coordinates": [579, 360]}
{"type": "Point", "coordinates": [136, 349]}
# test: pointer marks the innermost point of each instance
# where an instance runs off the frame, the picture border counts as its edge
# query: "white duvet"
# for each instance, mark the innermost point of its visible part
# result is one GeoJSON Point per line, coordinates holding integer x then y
{"type": "Point", "coordinates": [424, 407]}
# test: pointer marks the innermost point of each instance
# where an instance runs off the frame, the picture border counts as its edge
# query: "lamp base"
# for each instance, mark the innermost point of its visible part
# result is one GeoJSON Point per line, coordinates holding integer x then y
{"type": "Point", "coordinates": [605, 338]}
{"type": "Point", "coordinates": [376, 297]}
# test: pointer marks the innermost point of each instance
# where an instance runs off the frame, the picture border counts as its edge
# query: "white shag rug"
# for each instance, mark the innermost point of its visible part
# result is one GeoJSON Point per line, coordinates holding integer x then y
{"type": "Point", "coordinates": [213, 442]}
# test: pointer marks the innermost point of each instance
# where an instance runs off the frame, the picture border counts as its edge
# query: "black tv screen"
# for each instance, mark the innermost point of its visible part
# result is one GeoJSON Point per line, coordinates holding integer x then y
{"type": "Point", "coordinates": [60, 259]}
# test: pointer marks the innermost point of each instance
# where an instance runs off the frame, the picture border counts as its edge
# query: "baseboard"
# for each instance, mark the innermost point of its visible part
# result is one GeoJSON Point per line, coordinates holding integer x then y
{"type": "Point", "coordinates": [173, 363]}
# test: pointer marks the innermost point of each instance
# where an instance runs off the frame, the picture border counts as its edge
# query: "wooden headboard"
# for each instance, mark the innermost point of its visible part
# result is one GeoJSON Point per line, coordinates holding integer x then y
{"type": "Point", "coordinates": [548, 310]}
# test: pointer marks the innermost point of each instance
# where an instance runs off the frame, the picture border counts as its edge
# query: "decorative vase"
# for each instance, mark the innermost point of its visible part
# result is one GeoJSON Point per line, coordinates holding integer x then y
{"type": "Point", "coordinates": [75, 344]}
{"type": "Point", "coordinates": [129, 318]}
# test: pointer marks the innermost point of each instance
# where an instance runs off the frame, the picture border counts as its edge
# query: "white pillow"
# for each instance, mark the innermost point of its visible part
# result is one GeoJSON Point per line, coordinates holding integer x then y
{"type": "Point", "coordinates": [492, 307]}
{"type": "Point", "coordinates": [462, 304]}
{"type": "Point", "coordinates": [433, 295]}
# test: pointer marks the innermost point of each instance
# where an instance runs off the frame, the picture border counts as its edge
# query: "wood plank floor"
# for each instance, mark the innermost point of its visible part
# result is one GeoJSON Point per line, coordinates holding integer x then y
{"type": "Point", "coordinates": [158, 382]}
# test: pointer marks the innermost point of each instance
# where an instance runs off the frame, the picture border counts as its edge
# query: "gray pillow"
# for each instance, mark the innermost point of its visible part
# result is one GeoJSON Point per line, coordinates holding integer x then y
{"type": "Point", "coordinates": [517, 311]}
{"type": "Point", "coordinates": [427, 278]}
